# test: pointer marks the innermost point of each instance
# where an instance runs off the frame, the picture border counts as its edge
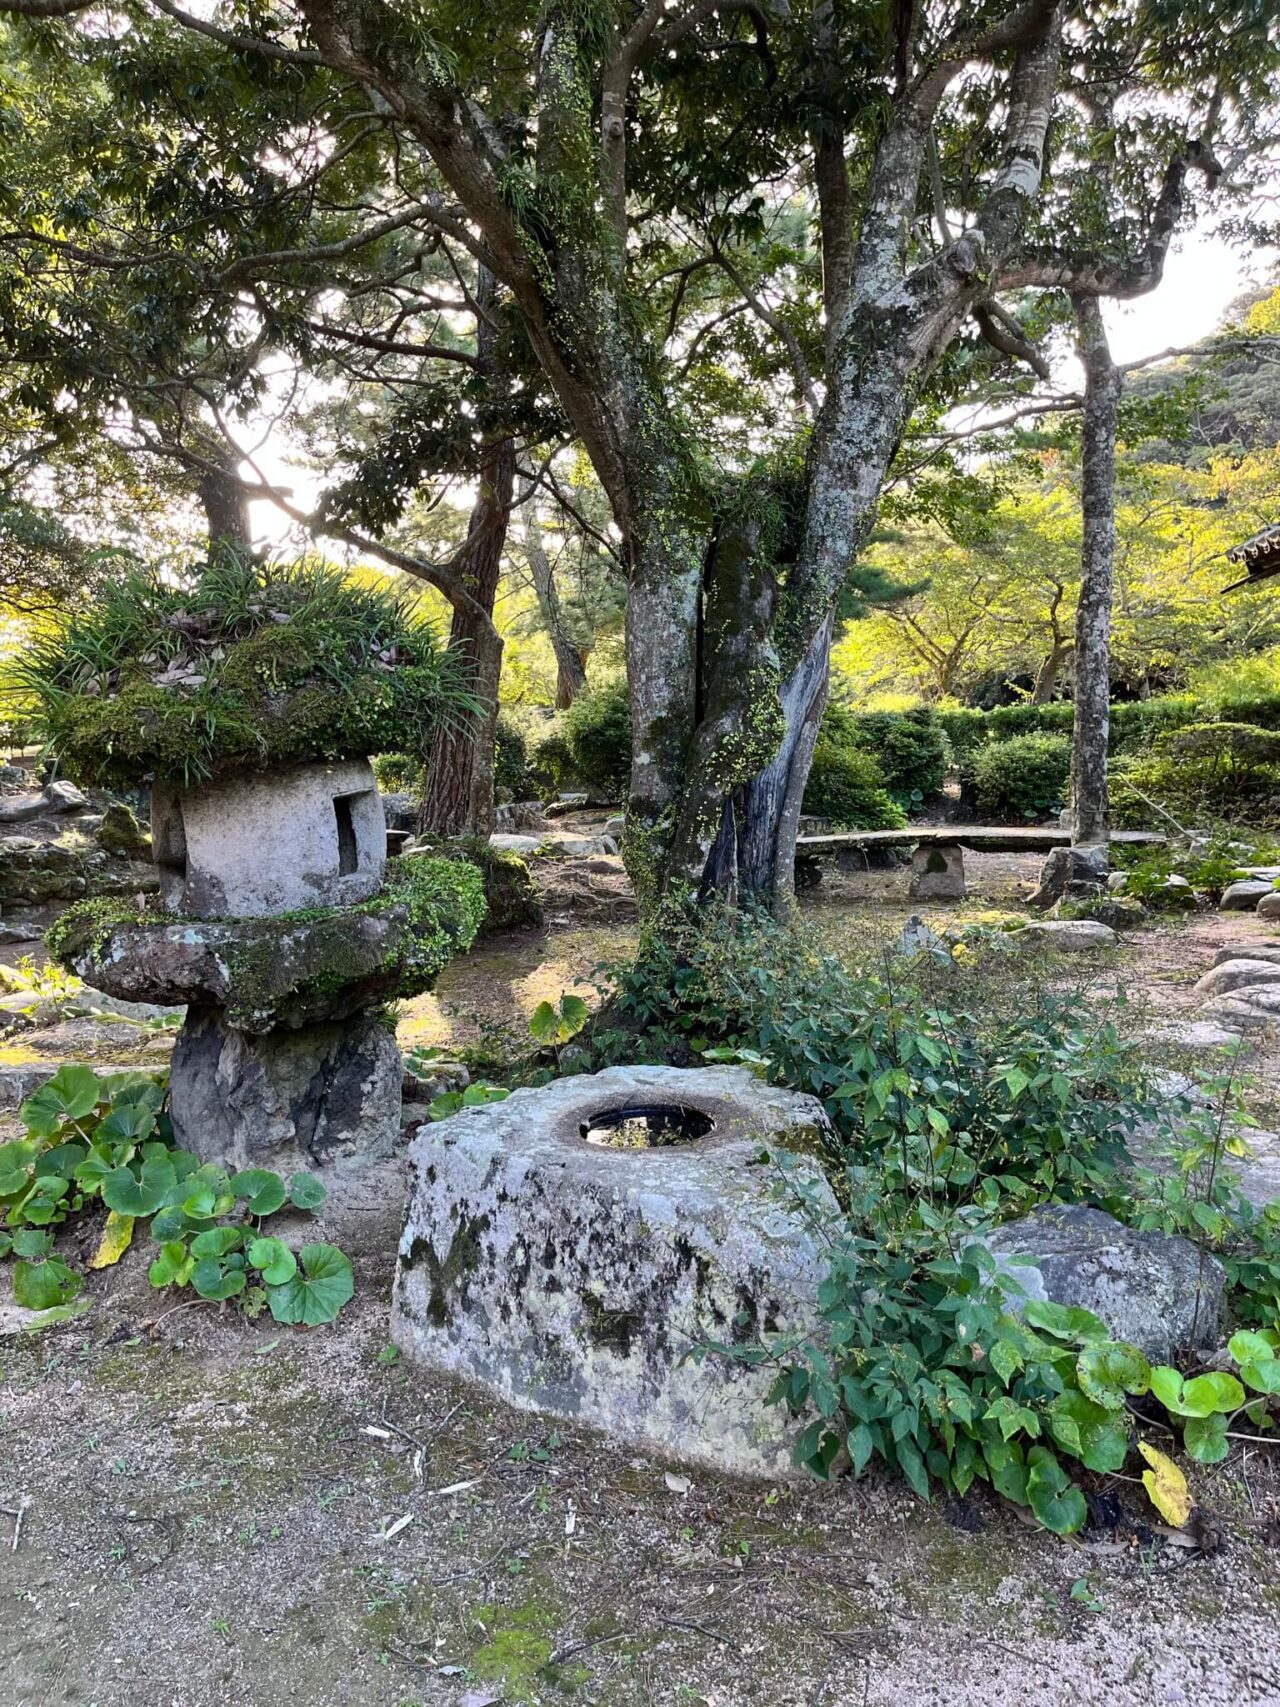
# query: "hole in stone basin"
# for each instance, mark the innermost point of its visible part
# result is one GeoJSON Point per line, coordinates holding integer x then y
{"type": "Point", "coordinates": [646, 1126]}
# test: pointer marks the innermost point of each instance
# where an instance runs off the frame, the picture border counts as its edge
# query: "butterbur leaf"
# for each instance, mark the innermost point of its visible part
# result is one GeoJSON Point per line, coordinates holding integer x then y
{"type": "Point", "coordinates": [1249, 1346]}
{"type": "Point", "coordinates": [45, 1203]}
{"type": "Point", "coordinates": [1166, 1486]}
{"type": "Point", "coordinates": [169, 1222]}
{"type": "Point", "coordinates": [130, 1194]}
{"type": "Point", "coordinates": [31, 1242]}
{"type": "Point", "coordinates": [1107, 1372]}
{"type": "Point", "coordinates": [131, 1124]}
{"type": "Point", "coordinates": [306, 1191]}
{"type": "Point", "coordinates": [265, 1190]}
{"type": "Point", "coordinates": [217, 1242]}
{"type": "Point", "coordinates": [1199, 1397]}
{"type": "Point", "coordinates": [212, 1280]}
{"type": "Point", "coordinates": [70, 1094]}
{"type": "Point", "coordinates": [315, 1294]}
{"type": "Point", "coordinates": [173, 1266]}
{"type": "Point", "coordinates": [1205, 1438]}
{"type": "Point", "coordinates": [1052, 1495]}
{"type": "Point", "coordinates": [62, 1160]}
{"type": "Point", "coordinates": [41, 1285]}
{"type": "Point", "coordinates": [1065, 1321]}
{"type": "Point", "coordinates": [59, 1313]}
{"type": "Point", "coordinates": [1263, 1377]}
{"type": "Point", "coordinates": [116, 1238]}
{"type": "Point", "coordinates": [274, 1258]}
{"type": "Point", "coordinates": [1091, 1432]}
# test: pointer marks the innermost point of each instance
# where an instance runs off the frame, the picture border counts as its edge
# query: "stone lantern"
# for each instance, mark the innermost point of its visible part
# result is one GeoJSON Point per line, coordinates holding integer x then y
{"type": "Point", "coordinates": [281, 926]}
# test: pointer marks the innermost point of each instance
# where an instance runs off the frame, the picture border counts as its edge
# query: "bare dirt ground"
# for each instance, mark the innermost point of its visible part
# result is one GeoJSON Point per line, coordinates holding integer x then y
{"type": "Point", "coordinates": [208, 1502]}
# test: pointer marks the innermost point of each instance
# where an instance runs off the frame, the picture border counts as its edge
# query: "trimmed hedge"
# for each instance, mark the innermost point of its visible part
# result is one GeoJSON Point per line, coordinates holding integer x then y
{"type": "Point", "coordinates": [1021, 778]}
{"type": "Point", "coordinates": [597, 730]}
{"type": "Point", "coordinates": [1135, 724]}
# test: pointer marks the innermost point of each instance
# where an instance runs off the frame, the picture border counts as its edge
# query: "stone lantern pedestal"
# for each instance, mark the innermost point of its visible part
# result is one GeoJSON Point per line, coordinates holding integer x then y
{"type": "Point", "coordinates": [284, 936]}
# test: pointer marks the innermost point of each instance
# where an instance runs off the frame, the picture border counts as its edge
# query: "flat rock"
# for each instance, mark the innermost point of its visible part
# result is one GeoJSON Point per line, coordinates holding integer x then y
{"type": "Point", "coordinates": [573, 1279]}
{"type": "Point", "coordinates": [512, 843]}
{"type": "Point", "coordinates": [1144, 1286]}
{"type": "Point", "coordinates": [1265, 948]}
{"type": "Point", "coordinates": [1244, 895]}
{"type": "Point", "coordinates": [1230, 975]}
{"type": "Point", "coordinates": [1250, 1009]}
{"type": "Point", "coordinates": [1072, 936]}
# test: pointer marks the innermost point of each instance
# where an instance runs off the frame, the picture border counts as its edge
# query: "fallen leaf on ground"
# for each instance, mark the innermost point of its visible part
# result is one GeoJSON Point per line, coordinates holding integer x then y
{"type": "Point", "coordinates": [1166, 1486]}
{"type": "Point", "coordinates": [116, 1238]}
{"type": "Point", "coordinates": [677, 1484]}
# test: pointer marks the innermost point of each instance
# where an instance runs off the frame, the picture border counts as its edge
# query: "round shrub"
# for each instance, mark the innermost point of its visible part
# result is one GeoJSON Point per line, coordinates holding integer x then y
{"type": "Point", "coordinates": [1024, 777]}
{"type": "Point", "coordinates": [550, 765]}
{"type": "Point", "coordinates": [511, 780]}
{"type": "Point", "coordinates": [911, 748]}
{"type": "Point", "coordinates": [398, 773]}
{"type": "Point", "coordinates": [597, 728]}
{"type": "Point", "coordinates": [846, 787]}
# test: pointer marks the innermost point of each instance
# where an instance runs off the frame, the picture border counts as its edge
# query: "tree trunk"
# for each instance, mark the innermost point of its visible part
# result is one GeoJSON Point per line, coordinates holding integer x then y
{"type": "Point", "coordinates": [571, 674]}
{"type": "Point", "coordinates": [226, 509]}
{"type": "Point", "coordinates": [1103, 383]}
{"type": "Point", "coordinates": [457, 784]}
{"type": "Point", "coordinates": [1047, 678]}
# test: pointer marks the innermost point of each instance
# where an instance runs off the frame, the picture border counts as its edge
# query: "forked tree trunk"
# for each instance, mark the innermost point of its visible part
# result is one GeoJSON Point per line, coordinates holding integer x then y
{"type": "Point", "coordinates": [1103, 383]}
{"type": "Point", "coordinates": [571, 673]}
{"type": "Point", "coordinates": [457, 787]}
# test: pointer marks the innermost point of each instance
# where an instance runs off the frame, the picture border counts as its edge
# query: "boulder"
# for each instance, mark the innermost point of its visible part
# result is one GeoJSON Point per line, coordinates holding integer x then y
{"type": "Point", "coordinates": [1118, 911]}
{"type": "Point", "coordinates": [400, 811]}
{"type": "Point", "coordinates": [1269, 905]}
{"type": "Point", "coordinates": [575, 1279]}
{"type": "Point", "coordinates": [293, 1099]}
{"type": "Point", "coordinates": [1071, 936]}
{"type": "Point", "coordinates": [121, 834]}
{"type": "Point", "coordinates": [1265, 948]}
{"type": "Point", "coordinates": [1076, 872]}
{"type": "Point", "coordinates": [937, 873]}
{"type": "Point", "coordinates": [1249, 1009]}
{"type": "Point", "coordinates": [1243, 896]}
{"type": "Point", "coordinates": [1152, 1290]}
{"type": "Point", "coordinates": [615, 826]}
{"type": "Point", "coordinates": [1236, 975]}
{"type": "Point", "coordinates": [1117, 882]}
{"type": "Point", "coordinates": [515, 844]}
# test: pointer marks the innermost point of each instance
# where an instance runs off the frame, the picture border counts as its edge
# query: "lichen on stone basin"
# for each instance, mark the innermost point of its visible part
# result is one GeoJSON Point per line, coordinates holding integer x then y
{"type": "Point", "coordinates": [577, 1279]}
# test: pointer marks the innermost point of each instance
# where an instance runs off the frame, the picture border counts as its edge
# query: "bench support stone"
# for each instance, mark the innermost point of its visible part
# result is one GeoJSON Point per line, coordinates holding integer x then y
{"type": "Point", "coordinates": [937, 873]}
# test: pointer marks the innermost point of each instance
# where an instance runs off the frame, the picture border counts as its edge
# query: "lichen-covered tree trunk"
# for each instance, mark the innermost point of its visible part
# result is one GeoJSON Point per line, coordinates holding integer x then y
{"type": "Point", "coordinates": [457, 788]}
{"type": "Point", "coordinates": [571, 673]}
{"type": "Point", "coordinates": [226, 508]}
{"type": "Point", "coordinates": [1103, 383]}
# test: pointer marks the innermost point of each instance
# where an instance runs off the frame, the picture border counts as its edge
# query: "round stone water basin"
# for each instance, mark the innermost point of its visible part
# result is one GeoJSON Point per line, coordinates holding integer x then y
{"type": "Point", "coordinates": [645, 1126]}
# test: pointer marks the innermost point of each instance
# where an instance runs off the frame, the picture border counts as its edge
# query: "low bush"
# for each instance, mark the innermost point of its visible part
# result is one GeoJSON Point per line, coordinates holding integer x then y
{"type": "Point", "coordinates": [1204, 772]}
{"type": "Point", "coordinates": [597, 729]}
{"type": "Point", "coordinates": [952, 1116]}
{"type": "Point", "coordinates": [551, 765]}
{"type": "Point", "coordinates": [511, 779]}
{"type": "Point", "coordinates": [398, 773]}
{"type": "Point", "coordinates": [846, 787]}
{"type": "Point", "coordinates": [1024, 777]}
{"type": "Point", "coordinates": [910, 747]}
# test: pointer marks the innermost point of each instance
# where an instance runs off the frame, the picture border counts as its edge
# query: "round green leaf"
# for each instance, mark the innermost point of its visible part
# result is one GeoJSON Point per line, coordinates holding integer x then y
{"type": "Point", "coordinates": [70, 1094]}
{"type": "Point", "coordinates": [129, 1194]}
{"type": "Point", "coordinates": [1089, 1432]}
{"type": "Point", "coordinates": [266, 1191]}
{"type": "Point", "coordinates": [1263, 1376]}
{"type": "Point", "coordinates": [1205, 1438]}
{"type": "Point", "coordinates": [41, 1285]}
{"type": "Point", "coordinates": [276, 1261]}
{"type": "Point", "coordinates": [211, 1280]}
{"type": "Point", "coordinates": [129, 1124]}
{"type": "Point", "coordinates": [171, 1221]}
{"type": "Point", "coordinates": [316, 1293]}
{"type": "Point", "coordinates": [1199, 1397]}
{"type": "Point", "coordinates": [1051, 1494]}
{"type": "Point", "coordinates": [31, 1242]}
{"type": "Point", "coordinates": [217, 1241]}
{"type": "Point", "coordinates": [1107, 1372]}
{"type": "Point", "coordinates": [173, 1266]}
{"type": "Point", "coordinates": [1065, 1321]}
{"type": "Point", "coordinates": [306, 1192]}
{"type": "Point", "coordinates": [1249, 1346]}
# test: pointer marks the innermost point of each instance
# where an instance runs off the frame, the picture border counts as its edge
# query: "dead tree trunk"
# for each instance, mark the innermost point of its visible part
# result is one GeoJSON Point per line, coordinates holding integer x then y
{"type": "Point", "coordinates": [571, 674]}
{"type": "Point", "coordinates": [1103, 383]}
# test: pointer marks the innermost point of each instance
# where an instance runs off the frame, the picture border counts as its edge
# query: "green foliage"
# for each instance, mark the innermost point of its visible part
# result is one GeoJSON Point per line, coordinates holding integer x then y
{"type": "Point", "coordinates": [1207, 867]}
{"type": "Point", "coordinates": [553, 1026]}
{"type": "Point", "coordinates": [597, 731]}
{"type": "Point", "coordinates": [1204, 772]}
{"type": "Point", "coordinates": [236, 665]}
{"type": "Point", "coordinates": [551, 765]}
{"type": "Point", "coordinates": [398, 773]}
{"type": "Point", "coordinates": [108, 1139]}
{"type": "Point", "coordinates": [846, 786]}
{"type": "Point", "coordinates": [1024, 777]}
{"type": "Point", "coordinates": [511, 778]}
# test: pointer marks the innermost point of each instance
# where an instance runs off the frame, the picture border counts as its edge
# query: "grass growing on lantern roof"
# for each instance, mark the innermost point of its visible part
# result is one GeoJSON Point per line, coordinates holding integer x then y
{"type": "Point", "coordinates": [237, 665]}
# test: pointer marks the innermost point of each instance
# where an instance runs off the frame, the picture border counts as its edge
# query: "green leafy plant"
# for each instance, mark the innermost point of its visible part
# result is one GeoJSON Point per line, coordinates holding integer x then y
{"type": "Point", "coordinates": [108, 1139]}
{"type": "Point", "coordinates": [1025, 777]}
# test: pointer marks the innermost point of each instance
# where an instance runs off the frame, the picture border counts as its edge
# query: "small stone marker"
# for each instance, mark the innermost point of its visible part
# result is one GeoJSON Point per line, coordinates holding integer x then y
{"type": "Point", "coordinates": [937, 873]}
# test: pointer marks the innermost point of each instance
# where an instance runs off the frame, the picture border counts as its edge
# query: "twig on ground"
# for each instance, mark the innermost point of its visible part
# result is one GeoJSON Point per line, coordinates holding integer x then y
{"type": "Point", "coordinates": [562, 1654]}
{"type": "Point", "coordinates": [18, 1519]}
